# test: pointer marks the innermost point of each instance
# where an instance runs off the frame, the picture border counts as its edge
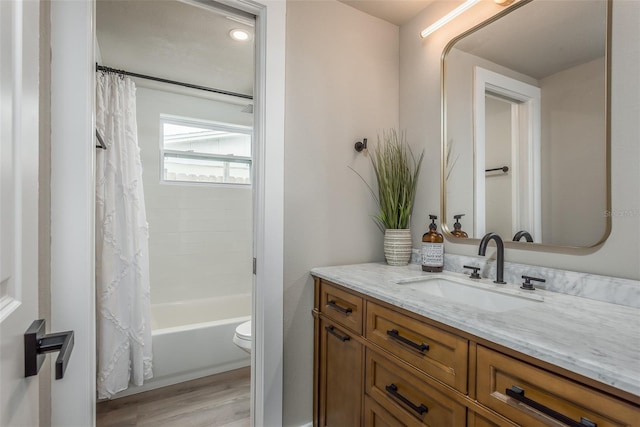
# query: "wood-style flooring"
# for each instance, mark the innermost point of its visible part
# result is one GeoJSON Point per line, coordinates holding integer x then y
{"type": "Point", "coordinates": [221, 400]}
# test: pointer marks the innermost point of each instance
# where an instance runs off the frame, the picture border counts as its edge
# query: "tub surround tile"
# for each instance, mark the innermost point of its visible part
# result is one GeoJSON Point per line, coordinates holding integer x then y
{"type": "Point", "coordinates": [596, 339]}
{"type": "Point", "coordinates": [592, 286]}
{"type": "Point", "coordinates": [200, 236]}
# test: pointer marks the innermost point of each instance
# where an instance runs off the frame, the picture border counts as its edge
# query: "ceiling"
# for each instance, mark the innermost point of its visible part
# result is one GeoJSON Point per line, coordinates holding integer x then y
{"type": "Point", "coordinates": [543, 37]}
{"type": "Point", "coordinates": [190, 42]}
{"type": "Point", "coordinates": [397, 12]}
{"type": "Point", "coordinates": [177, 41]}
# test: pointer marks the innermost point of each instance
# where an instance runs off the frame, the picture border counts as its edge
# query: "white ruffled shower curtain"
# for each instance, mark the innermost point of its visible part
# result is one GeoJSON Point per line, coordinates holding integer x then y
{"type": "Point", "coordinates": [122, 250]}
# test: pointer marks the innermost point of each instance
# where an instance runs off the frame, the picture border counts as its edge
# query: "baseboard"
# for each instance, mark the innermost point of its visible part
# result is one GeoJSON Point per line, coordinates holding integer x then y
{"type": "Point", "coordinates": [307, 425]}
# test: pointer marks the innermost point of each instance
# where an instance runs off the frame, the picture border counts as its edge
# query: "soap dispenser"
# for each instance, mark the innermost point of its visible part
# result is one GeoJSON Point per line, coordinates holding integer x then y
{"type": "Point", "coordinates": [432, 248]}
{"type": "Point", "coordinates": [457, 227]}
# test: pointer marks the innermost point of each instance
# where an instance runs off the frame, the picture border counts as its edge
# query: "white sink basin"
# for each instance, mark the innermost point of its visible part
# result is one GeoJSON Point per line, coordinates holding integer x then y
{"type": "Point", "coordinates": [481, 295]}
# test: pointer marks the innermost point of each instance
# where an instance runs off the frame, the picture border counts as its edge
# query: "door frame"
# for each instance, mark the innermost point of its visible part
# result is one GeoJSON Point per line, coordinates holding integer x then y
{"type": "Point", "coordinates": [525, 150]}
{"type": "Point", "coordinates": [72, 206]}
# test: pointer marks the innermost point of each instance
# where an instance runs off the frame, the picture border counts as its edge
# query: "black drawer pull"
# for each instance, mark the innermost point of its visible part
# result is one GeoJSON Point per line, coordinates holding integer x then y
{"type": "Point", "coordinates": [333, 332]}
{"type": "Point", "coordinates": [392, 389]}
{"type": "Point", "coordinates": [335, 306]}
{"type": "Point", "coordinates": [518, 394]}
{"type": "Point", "coordinates": [393, 333]}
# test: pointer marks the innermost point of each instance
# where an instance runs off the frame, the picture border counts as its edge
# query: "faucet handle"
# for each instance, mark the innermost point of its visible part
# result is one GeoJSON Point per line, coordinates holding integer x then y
{"type": "Point", "coordinates": [475, 274]}
{"type": "Point", "coordinates": [527, 282]}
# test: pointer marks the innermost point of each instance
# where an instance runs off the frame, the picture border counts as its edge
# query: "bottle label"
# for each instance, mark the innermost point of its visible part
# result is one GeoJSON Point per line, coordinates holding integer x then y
{"type": "Point", "coordinates": [433, 254]}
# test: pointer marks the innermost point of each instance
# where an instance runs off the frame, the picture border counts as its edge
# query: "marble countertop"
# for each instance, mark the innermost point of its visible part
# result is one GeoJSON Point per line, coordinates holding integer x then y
{"type": "Point", "coordinates": [595, 339]}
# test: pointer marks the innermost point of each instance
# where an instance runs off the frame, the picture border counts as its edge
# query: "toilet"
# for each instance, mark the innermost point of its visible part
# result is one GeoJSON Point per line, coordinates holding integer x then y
{"type": "Point", "coordinates": [242, 337]}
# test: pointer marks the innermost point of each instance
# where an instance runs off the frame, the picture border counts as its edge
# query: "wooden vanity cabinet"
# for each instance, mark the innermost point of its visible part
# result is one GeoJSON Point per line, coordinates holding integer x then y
{"type": "Point", "coordinates": [379, 365]}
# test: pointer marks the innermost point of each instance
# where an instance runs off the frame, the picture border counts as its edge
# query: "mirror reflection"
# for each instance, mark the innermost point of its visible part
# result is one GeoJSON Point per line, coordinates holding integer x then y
{"type": "Point", "coordinates": [526, 136]}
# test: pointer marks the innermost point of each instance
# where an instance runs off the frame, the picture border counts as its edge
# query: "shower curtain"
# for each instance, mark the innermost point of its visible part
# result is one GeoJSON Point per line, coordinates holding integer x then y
{"type": "Point", "coordinates": [122, 251]}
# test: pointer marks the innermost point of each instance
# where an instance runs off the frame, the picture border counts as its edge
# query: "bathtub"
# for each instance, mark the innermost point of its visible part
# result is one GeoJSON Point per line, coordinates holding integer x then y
{"type": "Point", "coordinates": [193, 339]}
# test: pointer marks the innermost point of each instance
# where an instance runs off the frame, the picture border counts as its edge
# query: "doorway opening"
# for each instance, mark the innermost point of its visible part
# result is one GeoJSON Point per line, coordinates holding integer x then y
{"type": "Point", "coordinates": [507, 155]}
{"type": "Point", "coordinates": [73, 77]}
{"type": "Point", "coordinates": [194, 82]}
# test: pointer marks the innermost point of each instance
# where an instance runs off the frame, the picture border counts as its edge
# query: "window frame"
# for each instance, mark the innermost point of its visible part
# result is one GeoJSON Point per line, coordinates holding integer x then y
{"type": "Point", "coordinates": [227, 159]}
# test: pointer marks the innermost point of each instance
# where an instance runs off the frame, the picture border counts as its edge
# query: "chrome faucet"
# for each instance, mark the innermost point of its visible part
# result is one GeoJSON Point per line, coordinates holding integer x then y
{"type": "Point", "coordinates": [500, 248]}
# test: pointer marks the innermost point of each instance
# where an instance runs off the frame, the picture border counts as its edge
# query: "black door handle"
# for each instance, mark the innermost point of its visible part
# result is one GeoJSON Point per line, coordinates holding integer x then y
{"type": "Point", "coordinates": [36, 344]}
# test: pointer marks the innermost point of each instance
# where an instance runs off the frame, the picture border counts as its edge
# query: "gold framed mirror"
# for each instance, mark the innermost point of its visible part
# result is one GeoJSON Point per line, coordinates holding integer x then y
{"type": "Point", "coordinates": [526, 126]}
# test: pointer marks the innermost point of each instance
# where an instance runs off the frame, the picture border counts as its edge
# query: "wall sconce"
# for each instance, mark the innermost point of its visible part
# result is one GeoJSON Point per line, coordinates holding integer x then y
{"type": "Point", "coordinates": [361, 145]}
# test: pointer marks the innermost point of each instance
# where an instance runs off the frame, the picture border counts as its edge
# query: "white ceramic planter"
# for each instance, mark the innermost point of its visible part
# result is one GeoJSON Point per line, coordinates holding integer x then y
{"type": "Point", "coordinates": [397, 246]}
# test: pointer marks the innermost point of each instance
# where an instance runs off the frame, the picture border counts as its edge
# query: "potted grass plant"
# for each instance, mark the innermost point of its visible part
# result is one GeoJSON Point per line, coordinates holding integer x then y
{"type": "Point", "coordinates": [396, 171]}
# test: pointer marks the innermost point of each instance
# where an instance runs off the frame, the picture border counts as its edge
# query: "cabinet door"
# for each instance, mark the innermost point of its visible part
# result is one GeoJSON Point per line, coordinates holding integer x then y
{"type": "Point", "coordinates": [340, 373]}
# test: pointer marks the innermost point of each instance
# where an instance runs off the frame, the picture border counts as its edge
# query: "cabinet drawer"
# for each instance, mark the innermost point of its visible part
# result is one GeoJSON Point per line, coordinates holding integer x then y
{"type": "Point", "coordinates": [544, 391]}
{"type": "Point", "coordinates": [341, 306]}
{"type": "Point", "coordinates": [432, 350]}
{"type": "Point", "coordinates": [477, 420]}
{"type": "Point", "coordinates": [407, 397]}
{"type": "Point", "coordinates": [376, 416]}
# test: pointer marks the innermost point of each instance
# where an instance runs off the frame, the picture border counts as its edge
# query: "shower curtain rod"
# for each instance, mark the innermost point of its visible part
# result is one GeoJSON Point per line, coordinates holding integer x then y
{"type": "Point", "coordinates": [173, 82]}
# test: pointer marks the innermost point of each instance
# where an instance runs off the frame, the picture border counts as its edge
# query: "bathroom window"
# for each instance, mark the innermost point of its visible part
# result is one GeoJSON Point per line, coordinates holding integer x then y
{"type": "Point", "coordinates": [203, 152]}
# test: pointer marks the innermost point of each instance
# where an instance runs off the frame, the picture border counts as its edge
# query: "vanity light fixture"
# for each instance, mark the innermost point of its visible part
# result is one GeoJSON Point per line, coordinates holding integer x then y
{"type": "Point", "coordinates": [448, 17]}
{"type": "Point", "coordinates": [239, 35]}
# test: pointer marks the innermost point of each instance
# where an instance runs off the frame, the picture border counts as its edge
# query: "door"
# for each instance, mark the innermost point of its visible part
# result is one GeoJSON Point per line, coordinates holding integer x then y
{"type": "Point", "coordinates": [18, 207]}
{"type": "Point", "coordinates": [499, 200]}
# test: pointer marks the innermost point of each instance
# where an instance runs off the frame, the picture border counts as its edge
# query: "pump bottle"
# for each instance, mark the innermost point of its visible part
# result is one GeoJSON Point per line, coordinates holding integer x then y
{"type": "Point", "coordinates": [432, 248]}
{"type": "Point", "coordinates": [457, 227]}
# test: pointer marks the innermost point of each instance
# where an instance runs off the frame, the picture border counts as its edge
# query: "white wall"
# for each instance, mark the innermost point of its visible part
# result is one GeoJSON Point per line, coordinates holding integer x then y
{"type": "Point", "coordinates": [341, 86]}
{"type": "Point", "coordinates": [573, 128]}
{"type": "Point", "coordinates": [420, 115]}
{"type": "Point", "coordinates": [200, 236]}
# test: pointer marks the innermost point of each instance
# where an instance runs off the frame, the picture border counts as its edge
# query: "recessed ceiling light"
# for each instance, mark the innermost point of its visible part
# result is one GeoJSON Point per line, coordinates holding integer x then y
{"type": "Point", "coordinates": [239, 35]}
